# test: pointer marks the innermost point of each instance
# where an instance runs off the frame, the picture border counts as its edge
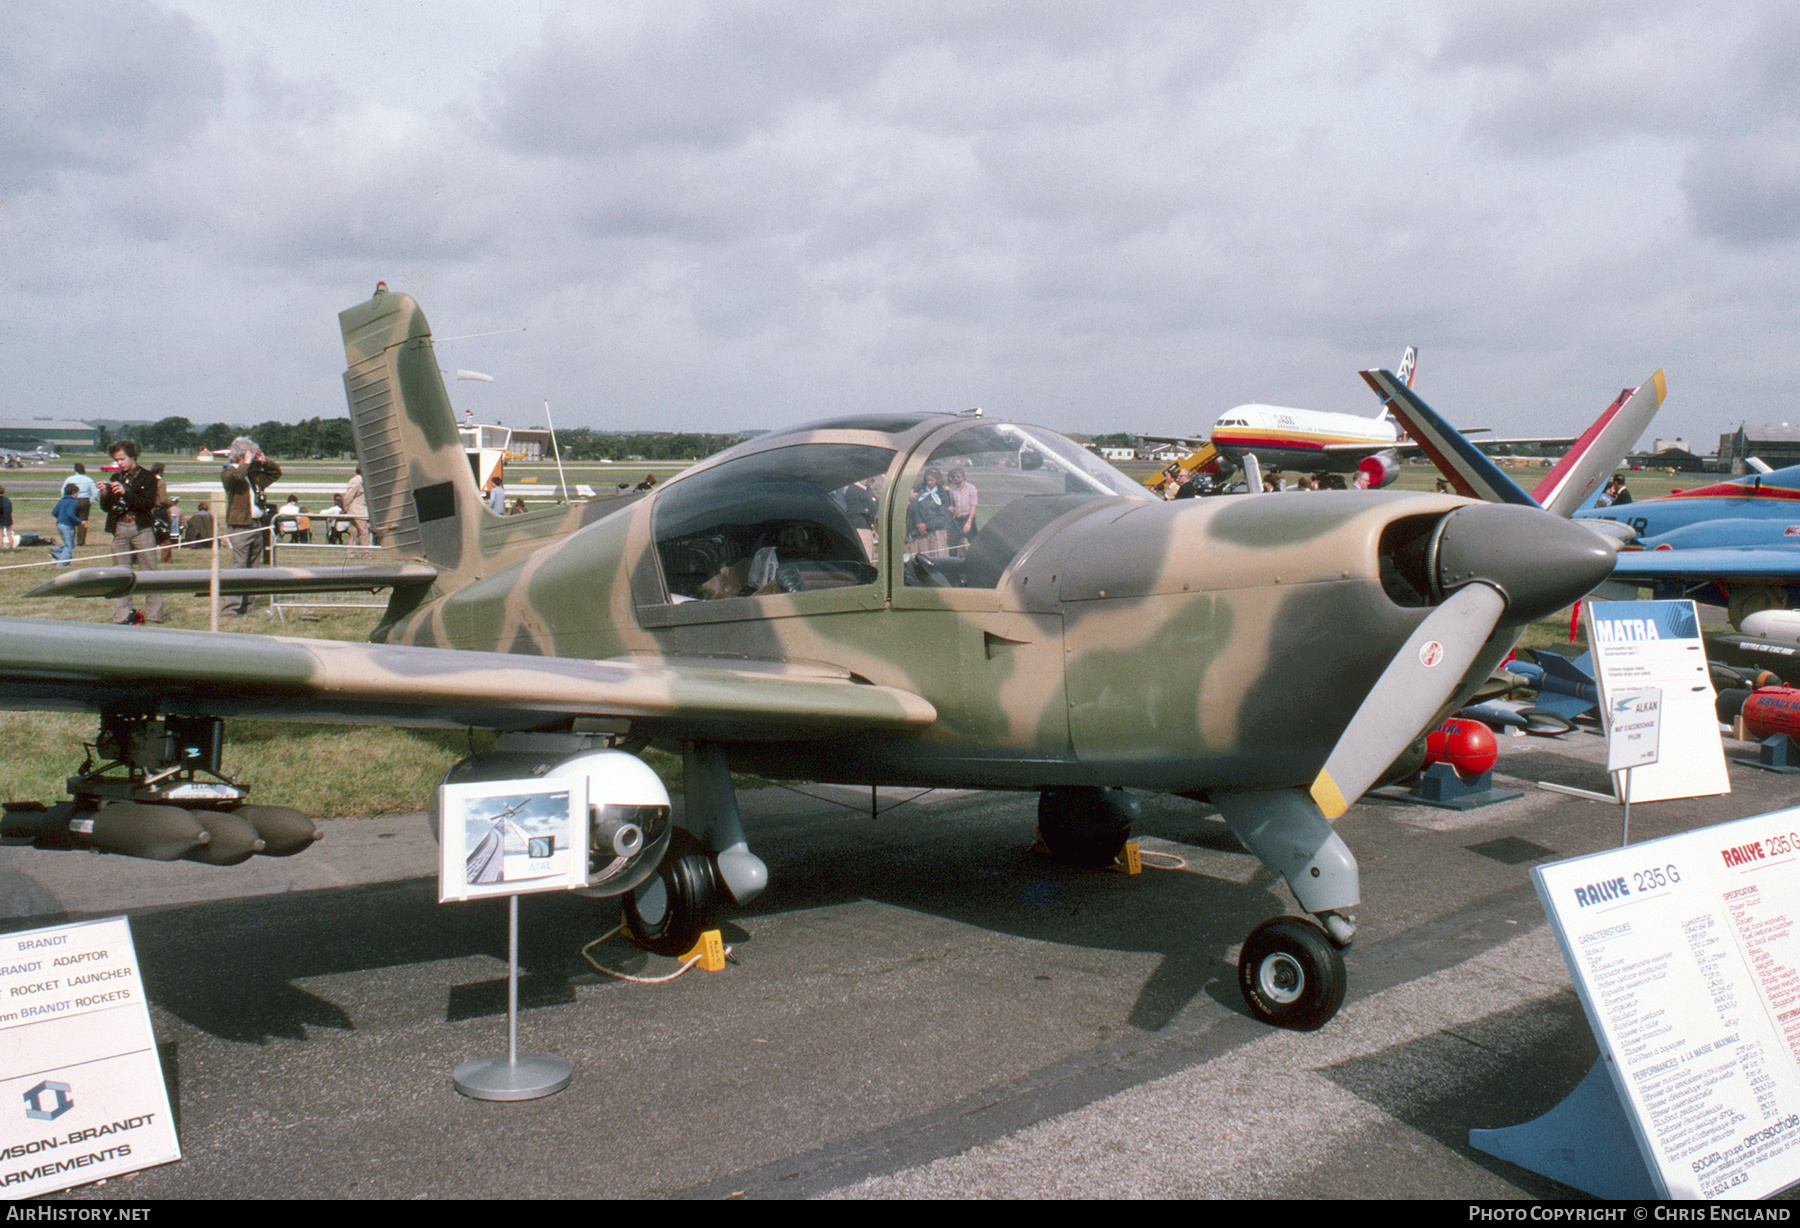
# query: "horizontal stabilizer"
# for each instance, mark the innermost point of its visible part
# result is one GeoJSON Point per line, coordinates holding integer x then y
{"type": "Point", "coordinates": [121, 581]}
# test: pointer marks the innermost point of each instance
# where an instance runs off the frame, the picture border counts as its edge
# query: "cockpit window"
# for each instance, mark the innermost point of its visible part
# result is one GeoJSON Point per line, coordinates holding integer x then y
{"type": "Point", "coordinates": [987, 491]}
{"type": "Point", "coordinates": [788, 520]}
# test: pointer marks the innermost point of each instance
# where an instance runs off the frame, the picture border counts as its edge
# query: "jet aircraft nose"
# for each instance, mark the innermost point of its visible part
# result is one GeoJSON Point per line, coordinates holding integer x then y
{"type": "Point", "coordinates": [1539, 562]}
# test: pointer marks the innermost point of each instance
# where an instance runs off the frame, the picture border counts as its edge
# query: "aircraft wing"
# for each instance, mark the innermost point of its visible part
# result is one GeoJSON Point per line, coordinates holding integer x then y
{"type": "Point", "coordinates": [1747, 565]}
{"type": "Point", "coordinates": [120, 581]}
{"type": "Point", "coordinates": [47, 664]}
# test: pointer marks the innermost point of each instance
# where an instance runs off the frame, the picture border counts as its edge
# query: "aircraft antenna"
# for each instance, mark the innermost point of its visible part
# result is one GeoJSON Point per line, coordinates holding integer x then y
{"type": "Point", "coordinates": [557, 451]}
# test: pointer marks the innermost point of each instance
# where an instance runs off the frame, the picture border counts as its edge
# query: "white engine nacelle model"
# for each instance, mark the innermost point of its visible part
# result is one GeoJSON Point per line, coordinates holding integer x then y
{"type": "Point", "coordinates": [628, 807]}
{"type": "Point", "coordinates": [1782, 626]}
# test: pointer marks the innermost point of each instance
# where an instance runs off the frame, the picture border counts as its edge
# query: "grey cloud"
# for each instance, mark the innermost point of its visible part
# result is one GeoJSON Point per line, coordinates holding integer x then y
{"type": "Point", "coordinates": [707, 75]}
{"type": "Point", "coordinates": [1551, 77]}
{"type": "Point", "coordinates": [1745, 191]}
{"type": "Point", "coordinates": [101, 85]}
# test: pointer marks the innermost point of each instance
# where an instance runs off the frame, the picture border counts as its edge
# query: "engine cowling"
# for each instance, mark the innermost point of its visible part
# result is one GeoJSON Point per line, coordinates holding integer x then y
{"type": "Point", "coordinates": [1382, 469]}
{"type": "Point", "coordinates": [629, 819]}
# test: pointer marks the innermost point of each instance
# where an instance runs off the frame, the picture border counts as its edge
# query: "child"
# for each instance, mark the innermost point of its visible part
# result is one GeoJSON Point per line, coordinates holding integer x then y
{"type": "Point", "coordinates": [67, 514]}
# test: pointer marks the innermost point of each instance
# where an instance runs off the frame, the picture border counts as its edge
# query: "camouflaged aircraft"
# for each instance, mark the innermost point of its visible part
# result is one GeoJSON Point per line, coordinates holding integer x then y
{"type": "Point", "coordinates": [812, 605]}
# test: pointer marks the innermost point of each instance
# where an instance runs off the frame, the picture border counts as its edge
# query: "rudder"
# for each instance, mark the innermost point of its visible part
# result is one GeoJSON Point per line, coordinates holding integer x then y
{"type": "Point", "coordinates": [422, 496]}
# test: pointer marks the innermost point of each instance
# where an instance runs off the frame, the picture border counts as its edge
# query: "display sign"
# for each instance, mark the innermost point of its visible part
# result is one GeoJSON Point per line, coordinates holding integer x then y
{"type": "Point", "coordinates": [1686, 954]}
{"type": "Point", "coordinates": [1656, 644]}
{"type": "Point", "coordinates": [81, 1090]}
{"type": "Point", "coordinates": [511, 837]}
{"type": "Point", "coordinates": [1634, 722]}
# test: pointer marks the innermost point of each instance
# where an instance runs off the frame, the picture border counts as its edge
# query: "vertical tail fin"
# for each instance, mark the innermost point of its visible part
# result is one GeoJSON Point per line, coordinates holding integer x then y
{"type": "Point", "coordinates": [422, 494]}
{"type": "Point", "coordinates": [1595, 454]}
{"type": "Point", "coordinates": [1601, 447]}
{"type": "Point", "coordinates": [1469, 470]}
{"type": "Point", "coordinates": [1409, 362]}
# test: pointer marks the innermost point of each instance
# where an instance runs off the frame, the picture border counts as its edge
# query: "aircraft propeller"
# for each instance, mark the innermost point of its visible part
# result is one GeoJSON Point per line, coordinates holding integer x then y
{"type": "Point", "coordinates": [1492, 565]}
{"type": "Point", "coordinates": [1495, 562]}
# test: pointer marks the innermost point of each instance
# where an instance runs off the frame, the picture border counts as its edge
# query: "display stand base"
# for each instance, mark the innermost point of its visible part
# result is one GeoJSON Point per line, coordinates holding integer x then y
{"type": "Point", "coordinates": [1440, 786]}
{"type": "Point", "coordinates": [516, 1076]}
{"type": "Point", "coordinates": [1584, 1142]}
{"type": "Point", "coordinates": [531, 1077]}
{"type": "Point", "coordinates": [1777, 754]}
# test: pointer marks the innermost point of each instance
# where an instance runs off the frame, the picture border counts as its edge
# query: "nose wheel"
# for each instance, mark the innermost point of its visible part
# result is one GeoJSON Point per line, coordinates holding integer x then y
{"type": "Point", "coordinates": [1291, 975]}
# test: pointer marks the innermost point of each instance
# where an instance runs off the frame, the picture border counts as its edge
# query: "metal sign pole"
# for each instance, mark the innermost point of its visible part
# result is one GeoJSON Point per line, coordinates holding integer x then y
{"type": "Point", "coordinates": [512, 1077]}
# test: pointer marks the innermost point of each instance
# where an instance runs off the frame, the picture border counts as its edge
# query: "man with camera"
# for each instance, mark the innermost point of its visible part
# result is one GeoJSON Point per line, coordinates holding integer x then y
{"type": "Point", "coordinates": [129, 501]}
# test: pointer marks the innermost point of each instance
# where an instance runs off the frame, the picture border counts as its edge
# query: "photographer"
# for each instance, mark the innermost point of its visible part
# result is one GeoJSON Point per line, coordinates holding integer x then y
{"type": "Point", "coordinates": [248, 473]}
{"type": "Point", "coordinates": [129, 501]}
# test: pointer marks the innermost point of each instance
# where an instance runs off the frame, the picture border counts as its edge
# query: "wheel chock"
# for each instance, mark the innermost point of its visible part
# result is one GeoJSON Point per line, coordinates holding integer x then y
{"type": "Point", "coordinates": [1128, 861]}
{"type": "Point", "coordinates": [709, 952]}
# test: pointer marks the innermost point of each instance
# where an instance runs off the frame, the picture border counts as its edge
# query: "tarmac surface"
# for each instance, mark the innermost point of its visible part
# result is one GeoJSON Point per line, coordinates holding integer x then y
{"type": "Point", "coordinates": [919, 1007]}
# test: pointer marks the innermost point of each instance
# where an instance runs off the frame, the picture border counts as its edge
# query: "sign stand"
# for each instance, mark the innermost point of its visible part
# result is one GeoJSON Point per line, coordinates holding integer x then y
{"type": "Point", "coordinates": [513, 1077]}
{"type": "Point", "coordinates": [508, 837]}
{"type": "Point", "coordinates": [1633, 733]}
{"type": "Point", "coordinates": [1583, 1142]}
{"type": "Point", "coordinates": [1685, 953]}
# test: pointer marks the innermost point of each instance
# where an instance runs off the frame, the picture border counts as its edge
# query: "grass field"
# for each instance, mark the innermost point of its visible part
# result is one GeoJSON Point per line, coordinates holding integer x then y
{"type": "Point", "coordinates": [325, 770]}
{"type": "Point", "coordinates": [330, 770]}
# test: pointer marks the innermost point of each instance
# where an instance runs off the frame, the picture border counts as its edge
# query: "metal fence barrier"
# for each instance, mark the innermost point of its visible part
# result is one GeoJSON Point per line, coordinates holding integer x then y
{"type": "Point", "coordinates": [304, 554]}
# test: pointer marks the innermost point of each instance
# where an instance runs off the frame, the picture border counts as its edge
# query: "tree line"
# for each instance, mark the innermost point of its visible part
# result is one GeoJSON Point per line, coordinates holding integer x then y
{"type": "Point", "coordinates": [332, 437]}
{"type": "Point", "coordinates": [287, 440]}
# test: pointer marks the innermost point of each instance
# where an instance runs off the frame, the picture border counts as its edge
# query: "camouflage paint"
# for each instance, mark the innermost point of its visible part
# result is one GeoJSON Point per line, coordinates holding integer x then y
{"type": "Point", "coordinates": [1179, 646]}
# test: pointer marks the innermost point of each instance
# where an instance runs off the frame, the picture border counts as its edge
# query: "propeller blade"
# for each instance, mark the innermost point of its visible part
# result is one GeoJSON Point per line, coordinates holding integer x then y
{"type": "Point", "coordinates": [1420, 679]}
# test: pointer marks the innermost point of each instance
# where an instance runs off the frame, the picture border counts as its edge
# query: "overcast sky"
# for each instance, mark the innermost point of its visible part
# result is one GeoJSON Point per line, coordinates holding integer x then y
{"type": "Point", "coordinates": [1131, 215]}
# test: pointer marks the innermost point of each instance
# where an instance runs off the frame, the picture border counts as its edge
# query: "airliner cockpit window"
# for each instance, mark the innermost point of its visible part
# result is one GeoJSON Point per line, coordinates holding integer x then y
{"type": "Point", "coordinates": [785, 521]}
{"type": "Point", "coordinates": [987, 491]}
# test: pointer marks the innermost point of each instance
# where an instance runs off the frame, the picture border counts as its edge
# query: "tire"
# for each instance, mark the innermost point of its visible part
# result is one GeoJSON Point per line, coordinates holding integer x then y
{"type": "Point", "coordinates": [669, 911]}
{"type": "Point", "coordinates": [1085, 826]}
{"type": "Point", "coordinates": [1291, 975]}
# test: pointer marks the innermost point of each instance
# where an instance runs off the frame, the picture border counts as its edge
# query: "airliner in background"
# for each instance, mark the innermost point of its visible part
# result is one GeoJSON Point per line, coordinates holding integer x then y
{"type": "Point", "coordinates": [1301, 440]}
{"type": "Point", "coordinates": [1313, 441]}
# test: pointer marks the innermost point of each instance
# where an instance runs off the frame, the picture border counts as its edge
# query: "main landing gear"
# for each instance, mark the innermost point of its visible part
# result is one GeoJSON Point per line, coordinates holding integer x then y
{"type": "Point", "coordinates": [707, 865]}
{"type": "Point", "coordinates": [669, 911]}
{"type": "Point", "coordinates": [1081, 825]}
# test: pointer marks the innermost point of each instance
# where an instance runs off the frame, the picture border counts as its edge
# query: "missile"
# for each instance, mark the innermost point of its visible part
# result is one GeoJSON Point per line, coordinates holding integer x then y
{"type": "Point", "coordinates": [1772, 710]}
{"type": "Point", "coordinates": [1564, 687]}
{"type": "Point", "coordinates": [1467, 746]}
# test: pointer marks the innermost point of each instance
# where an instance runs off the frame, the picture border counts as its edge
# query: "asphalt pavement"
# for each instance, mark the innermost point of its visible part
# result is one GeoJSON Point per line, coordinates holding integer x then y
{"type": "Point", "coordinates": [918, 1007]}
